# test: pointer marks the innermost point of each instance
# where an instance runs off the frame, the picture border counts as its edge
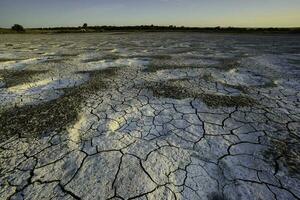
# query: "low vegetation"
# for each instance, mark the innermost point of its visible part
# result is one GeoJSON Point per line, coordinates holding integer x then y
{"type": "Point", "coordinates": [55, 115]}
{"type": "Point", "coordinates": [149, 28]}
{"type": "Point", "coordinates": [241, 88]}
{"type": "Point", "coordinates": [16, 77]}
{"type": "Point", "coordinates": [165, 62]}
{"type": "Point", "coordinates": [100, 58]}
{"type": "Point", "coordinates": [176, 91]}
{"type": "Point", "coordinates": [287, 152]}
{"type": "Point", "coordinates": [294, 62]}
{"type": "Point", "coordinates": [8, 59]}
{"type": "Point", "coordinates": [157, 67]}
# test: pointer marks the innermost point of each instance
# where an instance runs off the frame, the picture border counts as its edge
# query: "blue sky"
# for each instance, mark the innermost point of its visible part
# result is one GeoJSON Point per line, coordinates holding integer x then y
{"type": "Point", "coordinates": [242, 13]}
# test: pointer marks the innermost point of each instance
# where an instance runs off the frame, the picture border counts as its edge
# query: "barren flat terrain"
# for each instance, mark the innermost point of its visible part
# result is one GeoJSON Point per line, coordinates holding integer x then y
{"type": "Point", "coordinates": [150, 116]}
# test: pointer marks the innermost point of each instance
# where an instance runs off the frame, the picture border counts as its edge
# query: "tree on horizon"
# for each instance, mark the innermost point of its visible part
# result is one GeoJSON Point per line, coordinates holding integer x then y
{"type": "Point", "coordinates": [18, 28]}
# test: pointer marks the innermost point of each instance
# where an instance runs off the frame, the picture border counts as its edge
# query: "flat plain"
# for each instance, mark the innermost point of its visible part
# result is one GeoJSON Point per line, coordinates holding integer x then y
{"type": "Point", "coordinates": [150, 116]}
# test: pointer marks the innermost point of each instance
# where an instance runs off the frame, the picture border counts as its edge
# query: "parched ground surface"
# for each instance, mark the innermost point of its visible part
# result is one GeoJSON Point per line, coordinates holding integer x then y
{"type": "Point", "coordinates": [150, 116]}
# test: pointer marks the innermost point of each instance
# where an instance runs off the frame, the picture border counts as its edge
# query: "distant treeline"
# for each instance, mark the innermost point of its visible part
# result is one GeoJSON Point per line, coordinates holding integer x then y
{"type": "Point", "coordinates": [152, 28]}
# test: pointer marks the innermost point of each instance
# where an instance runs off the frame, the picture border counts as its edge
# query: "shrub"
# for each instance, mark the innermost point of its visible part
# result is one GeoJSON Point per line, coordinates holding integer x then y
{"type": "Point", "coordinates": [18, 28]}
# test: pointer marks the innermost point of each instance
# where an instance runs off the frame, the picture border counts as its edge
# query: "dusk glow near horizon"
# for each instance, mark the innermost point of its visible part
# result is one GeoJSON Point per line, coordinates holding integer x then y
{"type": "Point", "coordinates": [198, 13]}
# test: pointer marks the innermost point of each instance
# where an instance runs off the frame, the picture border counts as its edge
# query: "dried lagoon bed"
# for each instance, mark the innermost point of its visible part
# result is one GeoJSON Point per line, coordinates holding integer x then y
{"type": "Point", "coordinates": [149, 116]}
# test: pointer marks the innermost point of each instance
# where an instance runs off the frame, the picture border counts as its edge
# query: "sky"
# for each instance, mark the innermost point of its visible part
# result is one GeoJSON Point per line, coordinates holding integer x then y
{"type": "Point", "coordinates": [195, 13]}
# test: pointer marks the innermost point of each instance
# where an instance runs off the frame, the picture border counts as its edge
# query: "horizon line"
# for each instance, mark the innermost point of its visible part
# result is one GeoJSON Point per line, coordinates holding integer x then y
{"type": "Point", "coordinates": [171, 25]}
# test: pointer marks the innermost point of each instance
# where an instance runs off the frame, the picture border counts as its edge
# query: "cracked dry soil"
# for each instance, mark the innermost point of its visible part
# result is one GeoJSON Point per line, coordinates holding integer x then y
{"type": "Point", "coordinates": [150, 116]}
